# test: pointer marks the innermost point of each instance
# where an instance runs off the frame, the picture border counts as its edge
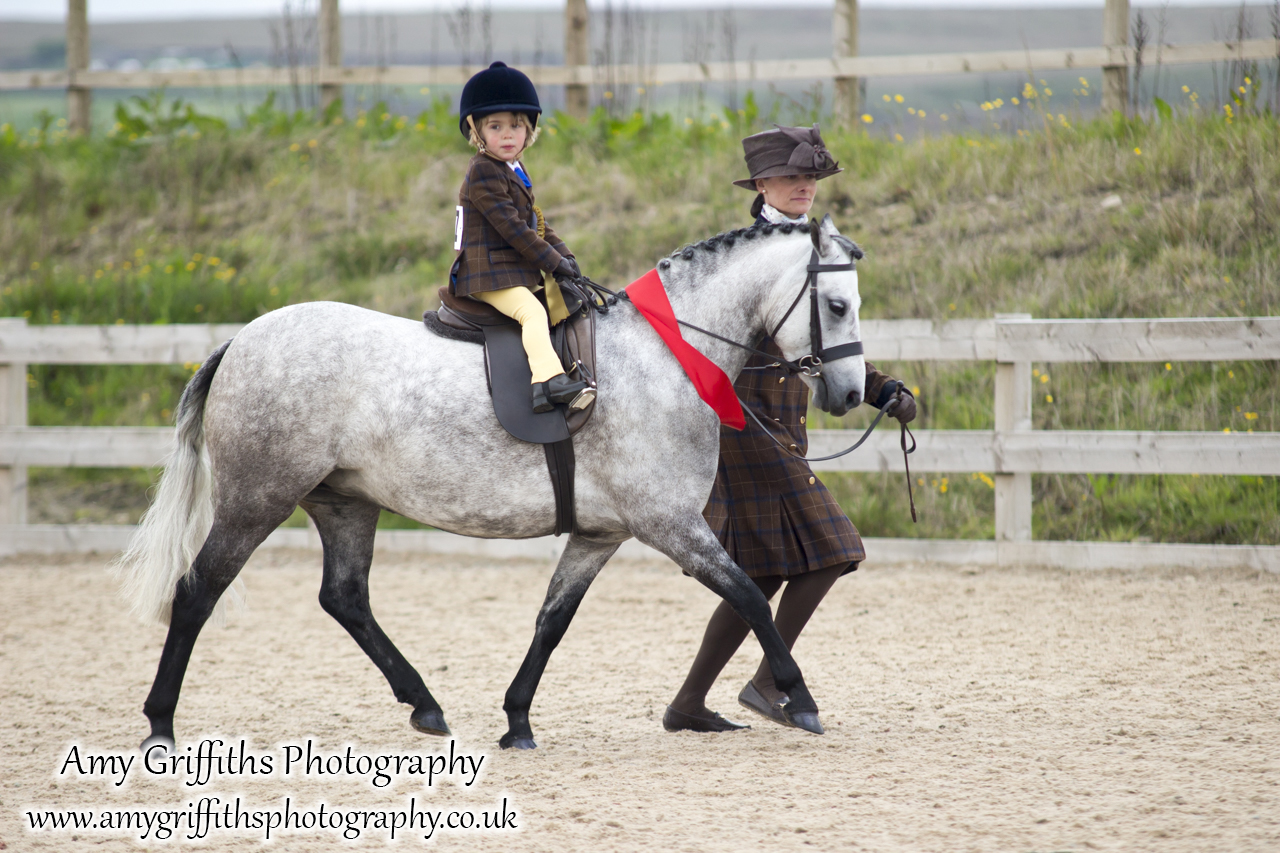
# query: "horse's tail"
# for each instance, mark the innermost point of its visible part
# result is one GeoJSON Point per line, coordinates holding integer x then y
{"type": "Point", "coordinates": [175, 526]}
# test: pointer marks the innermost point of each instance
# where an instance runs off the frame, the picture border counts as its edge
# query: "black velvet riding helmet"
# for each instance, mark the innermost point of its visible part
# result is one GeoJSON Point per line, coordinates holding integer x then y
{"type": "Point", "coordinates": [494, 90]}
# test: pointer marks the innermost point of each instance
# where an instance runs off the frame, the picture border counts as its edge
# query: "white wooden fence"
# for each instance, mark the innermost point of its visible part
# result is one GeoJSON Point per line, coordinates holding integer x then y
{"type": "Point", "coordinates": [1013, 450]}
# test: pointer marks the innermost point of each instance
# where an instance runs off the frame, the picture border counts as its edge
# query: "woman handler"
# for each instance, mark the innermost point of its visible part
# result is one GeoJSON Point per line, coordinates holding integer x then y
{"type": "Point", "coordinates": [773, 516]}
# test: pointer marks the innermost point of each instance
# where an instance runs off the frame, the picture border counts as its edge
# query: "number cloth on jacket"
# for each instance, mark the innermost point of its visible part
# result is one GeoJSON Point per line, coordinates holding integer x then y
{"type": "Point", "coordinates": [500, 243]}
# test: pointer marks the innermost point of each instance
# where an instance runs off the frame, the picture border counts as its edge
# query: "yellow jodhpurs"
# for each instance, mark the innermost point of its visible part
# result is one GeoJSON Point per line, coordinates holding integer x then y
{"type": "Point", "coordinates": [521, 305]}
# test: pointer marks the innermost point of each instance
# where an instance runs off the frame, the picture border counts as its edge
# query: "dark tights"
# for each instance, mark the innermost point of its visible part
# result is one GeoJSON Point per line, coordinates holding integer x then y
{"type": "Point", "coordinates": [726, 631]}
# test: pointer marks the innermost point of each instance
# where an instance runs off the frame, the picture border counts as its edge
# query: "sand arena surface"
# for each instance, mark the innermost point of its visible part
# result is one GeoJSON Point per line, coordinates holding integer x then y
{"type": "Point", "coordinates": [984, 710]}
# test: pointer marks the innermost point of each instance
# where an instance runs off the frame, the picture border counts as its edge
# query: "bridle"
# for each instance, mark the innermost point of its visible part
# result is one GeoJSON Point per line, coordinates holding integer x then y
{"type": "Point", "coordinates": [810, 364]}
{"type": "Point", "coordinates": [818, 354]}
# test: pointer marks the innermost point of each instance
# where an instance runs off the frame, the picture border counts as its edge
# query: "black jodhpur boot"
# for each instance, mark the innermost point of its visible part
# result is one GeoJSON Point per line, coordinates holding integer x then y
{"type": "Point", "coordinates": [561, 389]}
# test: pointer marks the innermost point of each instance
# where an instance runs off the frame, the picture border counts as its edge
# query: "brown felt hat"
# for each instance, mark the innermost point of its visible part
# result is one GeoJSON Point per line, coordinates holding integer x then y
{"type": "Point", "coordinates": [786, 151]}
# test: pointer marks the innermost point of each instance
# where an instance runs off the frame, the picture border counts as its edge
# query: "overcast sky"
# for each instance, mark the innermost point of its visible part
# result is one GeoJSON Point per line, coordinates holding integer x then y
{"type": "Point", "coordinates": [124, 10]}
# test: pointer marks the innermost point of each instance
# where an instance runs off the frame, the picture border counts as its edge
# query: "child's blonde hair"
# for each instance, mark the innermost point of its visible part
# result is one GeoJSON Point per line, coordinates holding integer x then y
{"type": "Point", "coordinates": [473, 134]}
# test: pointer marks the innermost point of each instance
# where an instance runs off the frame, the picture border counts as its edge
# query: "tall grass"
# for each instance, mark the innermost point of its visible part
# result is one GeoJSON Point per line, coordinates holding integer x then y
{"type": "Point", "coordinates": [176, 218]}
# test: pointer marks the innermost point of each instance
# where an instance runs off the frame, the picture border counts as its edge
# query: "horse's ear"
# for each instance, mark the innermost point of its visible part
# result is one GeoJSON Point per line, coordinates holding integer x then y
{"type": "Point", "coordinates": [823, 234]}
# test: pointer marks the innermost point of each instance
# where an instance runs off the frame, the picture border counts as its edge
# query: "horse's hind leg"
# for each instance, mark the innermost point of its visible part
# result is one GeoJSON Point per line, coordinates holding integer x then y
{"type": "Point", "coordinates": [581, 561]}
{"type": "Point", "coordinates": [347, 527]}
{"type": "Point", "coordinates": [694, 548]}
{"type": "Point", "coordinates": [225, 551]}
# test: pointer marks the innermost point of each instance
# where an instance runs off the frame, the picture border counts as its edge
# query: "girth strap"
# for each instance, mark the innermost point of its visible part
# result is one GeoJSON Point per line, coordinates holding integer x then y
{"type": "Point", "coordinates": [560, 463]}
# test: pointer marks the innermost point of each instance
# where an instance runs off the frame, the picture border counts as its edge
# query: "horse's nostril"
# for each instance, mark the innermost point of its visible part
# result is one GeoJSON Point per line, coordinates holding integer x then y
{"type": "Point", "coordinates": [854, 399]}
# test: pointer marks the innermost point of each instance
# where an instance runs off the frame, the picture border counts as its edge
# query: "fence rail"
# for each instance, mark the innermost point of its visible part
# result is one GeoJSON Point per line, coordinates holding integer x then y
{"type": "Point", "coordinates": [1013, 451]}
{"type": "Point", "coordinates": [1114, 56]}
{"type": "Point", "coordinates": [661, 73]}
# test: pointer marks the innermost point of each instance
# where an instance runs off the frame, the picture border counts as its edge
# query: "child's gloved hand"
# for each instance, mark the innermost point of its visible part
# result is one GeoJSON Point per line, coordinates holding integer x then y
{"type": "Point", "coordinates": [904, 409]}
{"type": "Point", "coordinates": [567, 268]}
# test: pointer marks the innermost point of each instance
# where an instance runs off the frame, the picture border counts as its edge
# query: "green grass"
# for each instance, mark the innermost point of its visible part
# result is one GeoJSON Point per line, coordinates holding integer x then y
{"type": "Point", "coordinates": [179, 218]}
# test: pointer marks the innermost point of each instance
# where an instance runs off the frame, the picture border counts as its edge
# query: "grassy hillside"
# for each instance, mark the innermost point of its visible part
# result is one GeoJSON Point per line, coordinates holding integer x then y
{"type": "Point", "coordinates": [176, 218]}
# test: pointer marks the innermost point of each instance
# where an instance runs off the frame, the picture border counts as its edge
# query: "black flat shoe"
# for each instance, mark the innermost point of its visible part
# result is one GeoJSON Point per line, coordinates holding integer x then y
{"type": "Point", "coordinates": [753, 700]}
{"type": "Point", "coordinates": [561, 389]}
{"type": "Point", "coordinates": [678, 721]}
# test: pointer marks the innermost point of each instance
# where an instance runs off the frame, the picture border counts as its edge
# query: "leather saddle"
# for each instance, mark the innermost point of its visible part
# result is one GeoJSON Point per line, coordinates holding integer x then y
{"type": "Point", "coordinates": [509, 379]}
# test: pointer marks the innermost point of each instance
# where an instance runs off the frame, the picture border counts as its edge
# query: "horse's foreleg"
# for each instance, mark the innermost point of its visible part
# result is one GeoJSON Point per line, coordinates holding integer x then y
{"type": "Point", "coordinates": [347, 528]}
{"type": "Point", "coordinates": [223, 555]}
{"type": "Point", "coordinates": [695, 549]}
{"type": "Point", "coordinates": [581, 561]}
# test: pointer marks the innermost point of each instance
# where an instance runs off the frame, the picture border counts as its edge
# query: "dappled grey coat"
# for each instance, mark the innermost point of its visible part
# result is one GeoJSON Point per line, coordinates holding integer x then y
{"type": "Point", "coordinates": [769, 510]}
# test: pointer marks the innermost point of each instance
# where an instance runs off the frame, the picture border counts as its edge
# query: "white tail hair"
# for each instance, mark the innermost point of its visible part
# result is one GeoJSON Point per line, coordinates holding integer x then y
{"type": "Point", "coordinates": [174, 528]}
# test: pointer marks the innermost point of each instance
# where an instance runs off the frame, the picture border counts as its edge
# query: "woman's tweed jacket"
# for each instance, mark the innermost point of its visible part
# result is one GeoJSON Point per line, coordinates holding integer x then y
{"type": "Point", "coordinates": [500, 243]}
{"type": "Point", "coordinates": [771, 513]}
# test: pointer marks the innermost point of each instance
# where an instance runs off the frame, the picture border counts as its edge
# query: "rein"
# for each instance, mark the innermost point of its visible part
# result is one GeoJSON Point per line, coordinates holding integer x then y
{"type": "Point", "coordinates": [902, 441]}
{"type": "Point", "coordinates": [592, 291]}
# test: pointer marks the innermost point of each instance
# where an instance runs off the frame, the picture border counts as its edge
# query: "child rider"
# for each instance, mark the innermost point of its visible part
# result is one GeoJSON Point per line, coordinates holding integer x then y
{"type": "Point", "coordinates": [505, 246]}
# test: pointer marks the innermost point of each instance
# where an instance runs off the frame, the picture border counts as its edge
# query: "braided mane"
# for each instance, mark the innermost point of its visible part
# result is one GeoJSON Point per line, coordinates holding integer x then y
{"type": "Point", "coordinates": [727, 239]}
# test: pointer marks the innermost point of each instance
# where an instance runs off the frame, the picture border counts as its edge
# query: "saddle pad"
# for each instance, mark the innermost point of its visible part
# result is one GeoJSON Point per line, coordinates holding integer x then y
{"type": "Point", "coordinates": [438, 327]}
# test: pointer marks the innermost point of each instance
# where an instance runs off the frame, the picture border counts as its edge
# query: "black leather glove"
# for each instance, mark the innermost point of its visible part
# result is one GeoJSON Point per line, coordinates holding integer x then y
{"type": "Point", "coordinates": [567, 268]}
{"type": "Point", "coordinates": [904, 409]}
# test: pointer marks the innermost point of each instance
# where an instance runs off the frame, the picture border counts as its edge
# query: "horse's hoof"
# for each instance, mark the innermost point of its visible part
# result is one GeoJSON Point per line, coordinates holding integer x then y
{"type": "Point", "coordinates": [430, 721]}
{"type": "Point", "coordinates": [807, 720]}
{"type": "Point", "coordinates": [510, 741]}
{"type": "Point", "coordinates": [157, 740]}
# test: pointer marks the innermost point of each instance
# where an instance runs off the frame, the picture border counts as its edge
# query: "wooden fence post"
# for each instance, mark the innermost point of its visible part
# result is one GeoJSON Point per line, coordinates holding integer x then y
{"type": "Point", "coordinates": [1012, 412]}
{"type": "Point", "coordinates": [577, 37]}
{"type": "Point", "coordinates": [330, 49]}
{"type": "Point", "coordinates": [1115, 78]}
{"type": "Point", "coordinates": [79, 98]}
{"type": "Point", "coordinates": [848, 95]}
{"type": "Point", "coordinates": [13, 413]}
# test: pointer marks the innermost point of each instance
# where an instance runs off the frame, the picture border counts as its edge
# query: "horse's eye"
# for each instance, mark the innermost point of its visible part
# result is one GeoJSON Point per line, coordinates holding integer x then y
{"type": "Point", "coordinates": [838, 306]}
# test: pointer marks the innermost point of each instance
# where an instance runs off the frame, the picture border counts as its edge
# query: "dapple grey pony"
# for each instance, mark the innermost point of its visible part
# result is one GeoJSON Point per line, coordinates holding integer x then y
{"type": "Point", "coordinates": [344, 411]}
